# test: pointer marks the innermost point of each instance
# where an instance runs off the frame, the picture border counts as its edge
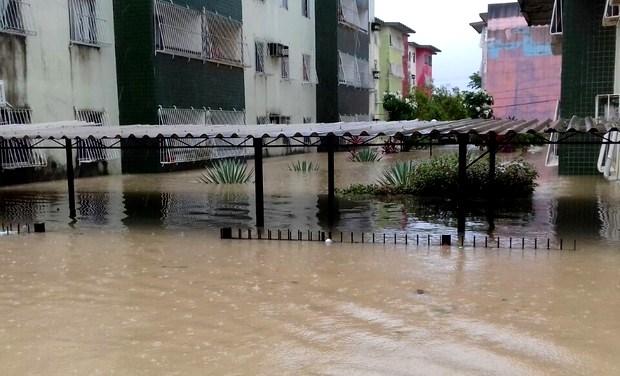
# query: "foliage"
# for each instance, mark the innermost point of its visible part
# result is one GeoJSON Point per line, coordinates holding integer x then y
{"type": "Point", "coordinates": [364, 155]}
{"type": "Point", "coordinates": [399, 107]}
{"type": "Point", "coordinates": [443, 104]}
{"type": "Point", "coordinates": [227, 171]}
{"type": "Point", "coordinates": [475, 81]}
{"type": "Point", "coordinates": [389, 146]}
{"type": "Point", "coordinates": [303, 166]}
{"type": "Point", "coordinates": [439, 177]}
{"type": "Point", "coordinates": [478, 102]}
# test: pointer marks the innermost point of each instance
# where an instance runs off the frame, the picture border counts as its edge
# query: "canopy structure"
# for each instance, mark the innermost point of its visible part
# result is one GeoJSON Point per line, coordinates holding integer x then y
{"type": "Point", "coordinates": [496, 132]}
{"type": "Point", "coordinates": [398, 129]}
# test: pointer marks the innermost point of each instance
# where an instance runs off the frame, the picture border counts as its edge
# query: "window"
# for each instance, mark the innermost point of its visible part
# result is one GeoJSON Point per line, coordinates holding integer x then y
{"type": "Point", "coordinates": [396, 70]}
{"type": "Point", "coordinates": [285, 63]}
{"type": "Point", "coordinates": [308, 73]}
{"type": "Point", "coordinates": [428, 60]}
{"type": "Point", "coordinates": [198, 34]}
{"type": "Point", "coordinates": [305, 8]}
{"type": "Point", "coordinates": [16, 18]}
{"type": "Point", "coordinates": [284, 4]}
{"type": "Point", "coordinates": [259, 58]}
{"type": "Point", "coordinates": [86, 23]}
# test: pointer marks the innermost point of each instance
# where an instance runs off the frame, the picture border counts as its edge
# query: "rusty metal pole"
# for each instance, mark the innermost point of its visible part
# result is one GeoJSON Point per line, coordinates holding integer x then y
{"type": "Point", "coordinates": [70, 178]}
{"type": "Point", "coordinates": [258, 183]}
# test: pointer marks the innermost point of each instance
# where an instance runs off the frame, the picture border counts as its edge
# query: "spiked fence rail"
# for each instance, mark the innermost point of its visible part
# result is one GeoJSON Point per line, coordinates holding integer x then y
{"type": "Point", "coordinates": [396, 238]}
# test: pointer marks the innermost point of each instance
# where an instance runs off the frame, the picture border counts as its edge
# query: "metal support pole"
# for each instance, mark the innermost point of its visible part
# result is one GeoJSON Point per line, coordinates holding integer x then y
{"type": "Point", "coordinates": [70, 178]}
{"type": "Point", "coordinates": [258, 183]}
{"type": "Point", "coordinates": [492, 151]}
{"type": "Point", "coordinates": [331, 181]}
{"type": "Point", "coordinates": [463, 139]}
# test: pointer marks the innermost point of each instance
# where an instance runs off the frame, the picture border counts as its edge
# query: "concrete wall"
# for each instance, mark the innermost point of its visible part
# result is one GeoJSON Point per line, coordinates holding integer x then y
{"type": "Point", "coordinates": [268, 93]}
{"type": "Point", "coordinates": [53, 76]}
{"type": "Point", "coordinates": [390, 54]}
{"type": "Point", "coordinates": [424, 71]}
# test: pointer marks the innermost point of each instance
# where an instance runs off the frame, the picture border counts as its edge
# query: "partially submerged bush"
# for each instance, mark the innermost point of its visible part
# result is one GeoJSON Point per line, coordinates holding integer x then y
{"type": "Point", "coordinates": [303, 166]}
{"type": "Point", "coordinates": [227, 171]}
{"type": "Point", "coordinates": [364, 155]}
{"type": "Point", "coordinates": [439, 177]}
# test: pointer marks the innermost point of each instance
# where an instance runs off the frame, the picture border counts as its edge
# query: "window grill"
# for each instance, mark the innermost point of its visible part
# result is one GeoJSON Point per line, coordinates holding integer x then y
{"type": "Point", "coordinates": [16, 17]}
{"type": "Point", "coordinates": [309, 71]}
{"type": "Point", "coordinates": [556, 18]}
{"type": "Point", "coordinates": [21, 153]}
{"type": "Point", "coordinates": [305, 8]}
{"type": "Point", "coordinates": [284, 4]}
{"type": "Point", "coordinates": [191, 150]}
{"type": "Point", "coordinates": [285, 64]}
{"type": "Point", "coordinates": [260, 48]}
{"type": "Point", "coordinates": [612, 13]}
{"type": "Point", "coordinates": [354, 13]}
{"type": "Point", "coordinates": [397, 41]}
{"type": "Point", "coordinates": [396, 70]}
{"type": "Point", "coordinates": [263, 120]}
{"type": "Point", "coordinates": [202, 35]}
{"type": "Point", "coordinates": [89, 151]}
{"type": "Point", "coordinates": [354, 72]}
{"type": "Point", "coordinates": [87, 25]}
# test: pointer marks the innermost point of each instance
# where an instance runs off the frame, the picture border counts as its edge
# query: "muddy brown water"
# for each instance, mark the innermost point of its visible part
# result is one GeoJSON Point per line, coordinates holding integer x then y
{"type": "Point", "coordinates": [141, 284]}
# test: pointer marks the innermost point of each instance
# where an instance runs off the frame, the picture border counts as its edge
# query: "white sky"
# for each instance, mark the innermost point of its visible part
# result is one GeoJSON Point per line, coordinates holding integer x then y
{"type": "Point", "coordinates": [445, 25]}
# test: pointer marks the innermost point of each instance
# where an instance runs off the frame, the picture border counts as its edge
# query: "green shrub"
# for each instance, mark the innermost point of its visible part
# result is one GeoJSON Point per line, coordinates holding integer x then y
{"type": "Point", "coordinates": [227, 171]}
{"type": "Point", "coordinates": [364, 155]}
{"type": "Point", "coordinates": [303, 166]}
{"type": "Point", "coordinates": [439, 177]}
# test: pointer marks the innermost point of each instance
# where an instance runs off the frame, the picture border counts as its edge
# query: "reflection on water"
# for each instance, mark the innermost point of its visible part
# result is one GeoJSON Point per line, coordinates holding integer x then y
{"type": "Point", "coordinates": [563, 207]}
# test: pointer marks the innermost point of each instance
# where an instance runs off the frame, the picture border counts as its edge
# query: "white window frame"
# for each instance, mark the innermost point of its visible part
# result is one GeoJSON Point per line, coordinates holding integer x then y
{"type": "Point", "coordinates": [557, 18]}
{"type": "Point", "coordinates": [305, 8]}
{"type": "Point", "coordinates": [308, 73]}
{"type": "Point", "coordinates": [354, 71]}
{"type": "Point", "coordinates": [86, 23]}
{"type": "Point", "coordinates": [260, 53]}
{"type": "Point", "coordinates": [354, 13]}
{"type": "Point", "coordinates": [285, 68]}
{"type": "Point", "coordinates": [16, 17]}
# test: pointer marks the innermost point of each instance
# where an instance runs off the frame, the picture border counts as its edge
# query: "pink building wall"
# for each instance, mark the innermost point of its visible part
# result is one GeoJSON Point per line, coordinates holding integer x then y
{"type": "Point", "coordinates": [522, 72]}
{"type": "Point", "coordinates": [424, 72]}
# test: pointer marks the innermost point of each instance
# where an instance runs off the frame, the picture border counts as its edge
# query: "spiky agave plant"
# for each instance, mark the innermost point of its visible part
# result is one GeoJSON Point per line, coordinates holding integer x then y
{"type": "Point", "coordinates": [399, 174]}
{"type": "Point", "coordinates": [227, 171]}
{"type": "Point", "coordinates": [303, 166]}
{"type": "Point", "coordinates": [365, 155]}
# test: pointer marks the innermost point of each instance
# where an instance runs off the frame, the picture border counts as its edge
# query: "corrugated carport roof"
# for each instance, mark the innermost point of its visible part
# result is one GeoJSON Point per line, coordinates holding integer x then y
{"type": "Point", "coordinates": [80, 130]}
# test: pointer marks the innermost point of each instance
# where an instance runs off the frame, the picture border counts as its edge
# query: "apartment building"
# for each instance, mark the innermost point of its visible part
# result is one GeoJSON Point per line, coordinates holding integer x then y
{"type": "Point", "coordinates": [342, 63]}
{"type": "Point", "coordinates": [178, 62]}
{"type": "Point", "coordinates": [421, 66]}
{"type": "Point", "coordinates": [280, 86]}
{"type": "Point", "coordinates": [57, 63]}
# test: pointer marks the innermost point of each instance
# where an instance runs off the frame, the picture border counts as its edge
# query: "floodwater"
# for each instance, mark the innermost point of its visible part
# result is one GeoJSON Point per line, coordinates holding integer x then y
{"type": "Point", "coordinates": [141, 284]}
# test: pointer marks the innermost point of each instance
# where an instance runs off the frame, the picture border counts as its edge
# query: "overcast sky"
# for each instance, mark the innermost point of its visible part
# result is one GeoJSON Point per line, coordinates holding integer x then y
{"type": "Point", "coordinates": [445, 25]}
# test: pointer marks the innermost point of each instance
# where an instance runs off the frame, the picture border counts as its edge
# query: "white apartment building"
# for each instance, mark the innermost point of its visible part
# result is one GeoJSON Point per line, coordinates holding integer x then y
{"type": "Point", "coordinates": [280, 87]}
{"type": "Point", "coordinates": [57, 63]}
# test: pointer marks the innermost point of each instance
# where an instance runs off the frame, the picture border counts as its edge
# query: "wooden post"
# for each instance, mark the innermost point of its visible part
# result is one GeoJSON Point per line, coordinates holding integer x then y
{"type": "Point", "coordinates": [70, 178]}
{"type": "Point", "coordinates": [258, 183]}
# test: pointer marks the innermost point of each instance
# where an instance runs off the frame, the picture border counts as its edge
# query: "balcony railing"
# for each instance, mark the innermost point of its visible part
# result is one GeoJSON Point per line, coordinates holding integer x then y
{"type": "Point", "coordinates": [89, 151]}
{"type": "Point", "coordinates": [194, 150]}
{"type": "Point", "coordinates": [201, 35]}
{"type": "Point", "coordinates": [16, 17]}
{"type": "Point", "coordinates": [354, 72]}
{"type": "Point", "coordinates": [88, 24]}
{"type": "Point", "coordinates": [20, 153]}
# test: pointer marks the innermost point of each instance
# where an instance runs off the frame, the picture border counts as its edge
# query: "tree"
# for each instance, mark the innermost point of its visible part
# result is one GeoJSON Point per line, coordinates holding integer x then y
{"type": "Point", "coordinates": [478, 102]}
{"type": "Point", "coordinates": [475, 81]}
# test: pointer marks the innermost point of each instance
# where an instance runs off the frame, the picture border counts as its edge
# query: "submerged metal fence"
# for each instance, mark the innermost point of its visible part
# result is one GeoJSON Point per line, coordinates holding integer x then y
{"type": "Point", "coordinates": [20, 153]}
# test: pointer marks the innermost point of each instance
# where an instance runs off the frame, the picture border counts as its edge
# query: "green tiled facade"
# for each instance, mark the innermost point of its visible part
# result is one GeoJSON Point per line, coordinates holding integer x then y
{"type": "Point", "coordinates": [147, 80]}
{"type": "Point", "coordinates": [579, 159]}
{"type": "Point", "coordinates": [588, 59]}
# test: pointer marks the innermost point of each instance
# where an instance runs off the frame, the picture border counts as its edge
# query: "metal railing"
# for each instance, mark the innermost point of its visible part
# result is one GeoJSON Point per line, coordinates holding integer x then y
{"type": "Point", "coordinates": [199, 35]}
{"type": "Point", "coordinates": [89, 151]}
{"type": "Point", "coordinates": [354, 72]}
{"type": "Point", "coordinates": [21, 153]}
{"type": "Point", "coordinates": [87, 25]}
{"type": "Point", "coordinates": [354, 13]}
{"type": "Point", "coordinates": [198, 149]}
{"type": "Point", "coordinates": [612, 13]}
{"type": "Point", "coordinates": [16, 17]}
{"type": "Point", "coordinates": [557, 17]}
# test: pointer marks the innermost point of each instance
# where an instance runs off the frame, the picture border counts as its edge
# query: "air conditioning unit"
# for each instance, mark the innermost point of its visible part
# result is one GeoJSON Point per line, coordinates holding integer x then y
{"type": "Point", "coordinates": [277, 49]}
{"type": "Point", "coordinates": [2, 95]}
